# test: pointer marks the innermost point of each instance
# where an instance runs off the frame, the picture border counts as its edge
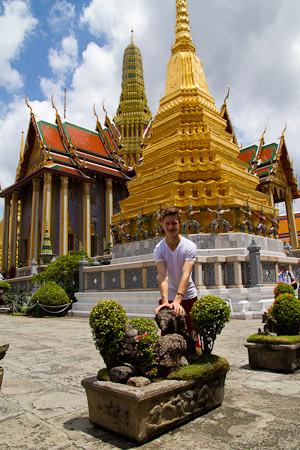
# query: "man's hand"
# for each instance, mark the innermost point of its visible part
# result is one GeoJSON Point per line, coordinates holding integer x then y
{"type": "Point", "coordinates": [164, 305]}
{"type": "Point", "coordinates": [178, 309]}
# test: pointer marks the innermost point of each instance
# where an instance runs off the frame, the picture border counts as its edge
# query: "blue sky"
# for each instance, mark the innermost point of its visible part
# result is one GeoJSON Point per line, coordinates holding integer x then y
{"type": "Point", "coordinates": [252, 45]}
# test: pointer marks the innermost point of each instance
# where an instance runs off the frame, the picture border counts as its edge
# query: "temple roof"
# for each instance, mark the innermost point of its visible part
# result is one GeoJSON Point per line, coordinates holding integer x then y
{"type": "Point", "coordinates": [270, 162]}
{"type": "Point", "coordinates": [69, 150]}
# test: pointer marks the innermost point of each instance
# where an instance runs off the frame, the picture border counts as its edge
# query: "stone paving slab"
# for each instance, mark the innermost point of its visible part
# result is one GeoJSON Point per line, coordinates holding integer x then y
{"type": "Point", "coordinates": [43, 405]}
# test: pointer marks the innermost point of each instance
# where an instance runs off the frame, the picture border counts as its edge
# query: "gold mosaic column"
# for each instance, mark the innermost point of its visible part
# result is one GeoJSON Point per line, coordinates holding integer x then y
{"type": "Point", "coordinates": [34, 230]}
{"type": "Point", "coordinates": [86, 218]}
{"type": "Point", "coordinates": [291, 218]}
{"type": "Point", "coordinates": [13, 229]}
{"type": "Point", "coordinates": [63, 217]}
{"type": "Point", "coordinates": [46, 218]}
{"type": "Point", "coordinates": [109, 208]}
{"type": "Point", "coordinates": [5, 237]}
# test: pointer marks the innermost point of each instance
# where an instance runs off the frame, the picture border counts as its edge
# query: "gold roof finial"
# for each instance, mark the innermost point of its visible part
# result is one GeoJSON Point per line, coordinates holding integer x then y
{"type": "Point", "coordinates": [284, 129]}
{"type": "Point", "coordinates": [95, 111]}
{"type": "Point", "coordinates": [132, 40]}
{"type": "Point", "coordinates": [26, 100]}
{"type": "Point", "coordinates": [182, 28]}
{"type": "Point", "coordinates": [53, 104]}
{"type": "Point", "coordinates": [227, 96]}
{"type": "Point", "coordinates": [104, 108]}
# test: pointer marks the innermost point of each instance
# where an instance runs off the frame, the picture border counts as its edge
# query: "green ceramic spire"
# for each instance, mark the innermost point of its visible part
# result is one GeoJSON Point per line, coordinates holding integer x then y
{"type": "Point", "coordinates": [133, 114]}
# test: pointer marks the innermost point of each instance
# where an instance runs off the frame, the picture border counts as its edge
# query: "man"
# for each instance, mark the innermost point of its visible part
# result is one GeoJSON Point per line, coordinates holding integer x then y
{"type": "Point", "coordinates": [286, 277]}
{"type": "Point", "coordinates": [175, 257]}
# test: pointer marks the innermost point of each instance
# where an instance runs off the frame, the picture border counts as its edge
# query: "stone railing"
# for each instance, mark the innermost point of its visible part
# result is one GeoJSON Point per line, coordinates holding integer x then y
{"type": "Point", "coordinates": [210, 272]}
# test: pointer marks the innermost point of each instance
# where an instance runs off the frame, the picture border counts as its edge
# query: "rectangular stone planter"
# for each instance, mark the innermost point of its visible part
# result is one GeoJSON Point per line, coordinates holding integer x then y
{"type": "Point", "coordinates": [3, 350]}
{"type": "Point", "coordinates": [141, 413]}
{"type": "Point", "coordinates": [276, 357]}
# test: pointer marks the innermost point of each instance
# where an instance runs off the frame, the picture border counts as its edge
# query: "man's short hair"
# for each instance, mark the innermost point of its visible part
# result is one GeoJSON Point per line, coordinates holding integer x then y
{"type": "Point", "coordinates": [171, 211]}
{"type": "Point", "coordinates": [283, 266]}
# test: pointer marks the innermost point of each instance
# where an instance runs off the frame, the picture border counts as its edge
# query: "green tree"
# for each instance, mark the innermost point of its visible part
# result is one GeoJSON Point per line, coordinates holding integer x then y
{"type": "Point", "coordinates": [64, 271]}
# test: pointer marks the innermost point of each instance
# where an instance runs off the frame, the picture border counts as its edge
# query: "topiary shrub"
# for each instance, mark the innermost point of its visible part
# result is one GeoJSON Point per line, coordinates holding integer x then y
{"type": "Point", "coordinates": [49, 294]}
{"type": "Point", "coordinates": [283, 288]}
{"type": "Point", "coordinates": [209, 315]}
{"type": "Point", "coordinates": [4, 286]}
{"type": "Point", "coordinates": [145, 326]}
{"type": "Point", "coordinates": [107, 321]}
{"type": "Point", "coordinates": [146, 364]}
{"type": "Point", "coordinates": [286, 311]}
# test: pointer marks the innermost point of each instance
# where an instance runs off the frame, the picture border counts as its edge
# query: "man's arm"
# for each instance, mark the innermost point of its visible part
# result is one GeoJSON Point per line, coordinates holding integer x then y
{"type": "Point", "coordinates": [163, 285]}
{"type": "Point", "coordinates": [186, 271]}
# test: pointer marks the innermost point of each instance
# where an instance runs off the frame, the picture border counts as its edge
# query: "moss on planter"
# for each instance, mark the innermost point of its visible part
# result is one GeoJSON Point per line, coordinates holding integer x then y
{"type": "Point", "coordinates": [206, 366]}
{"type": "Point", "coordinates": [103, 375]}
{"type": "Point", "coordinates": [275, 340]}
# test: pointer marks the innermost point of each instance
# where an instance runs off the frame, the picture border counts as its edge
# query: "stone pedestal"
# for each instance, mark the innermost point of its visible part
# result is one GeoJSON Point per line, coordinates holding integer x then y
{"type": "Point", "coordinates": [141, 413]}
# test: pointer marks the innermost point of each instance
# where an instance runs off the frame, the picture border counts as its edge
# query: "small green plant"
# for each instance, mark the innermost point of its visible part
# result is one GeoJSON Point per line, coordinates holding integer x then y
{"type": "Point", "coordinates": [146, 364]}
{"type": "Point", "coordinates": [209, 315]}
{"type": "Point", "coordinates": [283, 288]}
{"type": "Point", "coordinates": [108, 321]}
{"type": "Point", "coordinates": [4, 286]}
{"type": "Point", "coordinates": [64, 271]}
{"type": "Point", "coordinates": [286, 311]}
{"type": "Point", "coordinates": [49, 294]}
{"type": "Point", "coordinates": [145, 326]}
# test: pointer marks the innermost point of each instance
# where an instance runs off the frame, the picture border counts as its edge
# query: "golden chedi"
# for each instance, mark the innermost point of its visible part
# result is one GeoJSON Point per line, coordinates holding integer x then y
{"type": "Point", "coordinates": [191, 154]}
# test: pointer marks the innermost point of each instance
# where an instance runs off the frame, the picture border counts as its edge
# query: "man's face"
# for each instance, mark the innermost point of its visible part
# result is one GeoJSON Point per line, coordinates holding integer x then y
{"type": "Point", "coordinates": [171, 225]}
{"type": "Point", "coordinates": [283, 270]}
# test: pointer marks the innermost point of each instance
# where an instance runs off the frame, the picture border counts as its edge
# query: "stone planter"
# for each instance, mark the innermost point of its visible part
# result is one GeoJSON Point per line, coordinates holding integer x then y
{"type": "Point", "coordinates": [3, 350]}
{"type": "Point", "coordinates": [276, 357]}
{"type": "Point", "coordinates": [141, 413]}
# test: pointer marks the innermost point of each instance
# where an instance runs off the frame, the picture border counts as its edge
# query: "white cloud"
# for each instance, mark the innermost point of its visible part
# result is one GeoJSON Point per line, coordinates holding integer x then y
{"type": "Point", "coordinates": [16, 23]}
{"type": "Point", "coordinates": [61, 14]}
{"type": "Point", "coordinates": [253, 48]}
{"type": "Point", "coordinates": [65, 59]}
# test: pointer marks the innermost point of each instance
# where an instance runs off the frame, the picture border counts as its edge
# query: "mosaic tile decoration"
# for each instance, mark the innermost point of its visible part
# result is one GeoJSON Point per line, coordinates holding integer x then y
{"type": "Point", "coordinates": [268, 273]}
{"type": "Point", "coordinates": [94, 281]}
{"type": "Point", "coordinates": [133, 279]}
{"type": "Point", "coordinates": [112, 279]}
{"type": "Point", "coordinates": [230, 274]}
{"type": "Point", "coordinates": [152, 277]}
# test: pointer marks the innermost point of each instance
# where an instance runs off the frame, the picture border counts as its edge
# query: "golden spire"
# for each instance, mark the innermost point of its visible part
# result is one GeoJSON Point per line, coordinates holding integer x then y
{"type": "Point", "coordinates": [185, 73]}
{"type": "Point", "coordinates": [183, 37]}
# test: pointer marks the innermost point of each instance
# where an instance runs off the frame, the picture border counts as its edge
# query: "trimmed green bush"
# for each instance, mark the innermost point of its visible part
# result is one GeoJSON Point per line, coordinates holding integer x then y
{"type": "Point", "coordinates": [209, 315]}
{"type": "Point", "coordinates": [145, 326]}
{"type": "Point", "coordinates": [283, 288]}
{"type": "Point", "coordinates": [108, 321]}
{"type": "Point", "coordinates": [49, 294]}
{"type": "Point", "coordinates": [4, 286]}
{"type": "Point", "coordinates": [286, 311]}
{"type": "Point", "coordinates": [146, 364]}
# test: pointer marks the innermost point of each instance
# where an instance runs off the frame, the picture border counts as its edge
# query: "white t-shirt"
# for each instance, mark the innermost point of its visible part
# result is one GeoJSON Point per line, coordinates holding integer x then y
{"type": "Point", "coordinates": [286, 277]}
{"type": "Point", "coordinates": [174, 261]}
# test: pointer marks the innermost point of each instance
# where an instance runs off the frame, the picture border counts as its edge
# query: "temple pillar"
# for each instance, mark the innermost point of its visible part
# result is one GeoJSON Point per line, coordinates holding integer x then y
{"type": "Point", "coordinates": [34, 230]}
{"type": "Point", "coordinates": [5, 237]}
{"type": "Point", "coordinates": [86, 218]}
{"type": "Point", "coordinates": [291, 218]}
{"type": "Point", "coordinates": [13, 230]}
{"type": "Point", "coordinates": [63, 217]}
{"type": "Point", "coordinates": [46, 217]}
{"type": "Point", "coordinates": [109, 209]}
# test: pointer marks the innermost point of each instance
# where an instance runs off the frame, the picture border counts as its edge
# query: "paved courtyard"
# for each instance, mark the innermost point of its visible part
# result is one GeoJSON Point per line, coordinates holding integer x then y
{"type": "Point", "coordinates": [43, 406]}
